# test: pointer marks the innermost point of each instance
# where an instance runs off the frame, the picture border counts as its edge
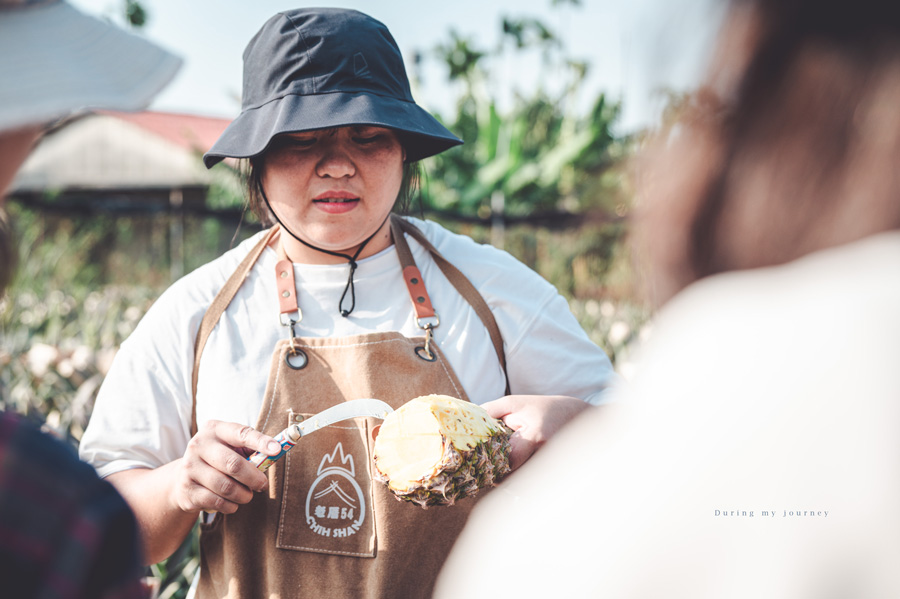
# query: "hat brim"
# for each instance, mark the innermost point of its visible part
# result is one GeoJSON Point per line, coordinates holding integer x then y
{"type": "Point", "coordinates": [253, 130]}
{"type": "Point", "coordinates": [55, 60]}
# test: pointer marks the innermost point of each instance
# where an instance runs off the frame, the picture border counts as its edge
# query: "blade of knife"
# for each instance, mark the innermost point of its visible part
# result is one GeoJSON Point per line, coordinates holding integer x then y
{"type": "Point", "coordinates": [349, 409]}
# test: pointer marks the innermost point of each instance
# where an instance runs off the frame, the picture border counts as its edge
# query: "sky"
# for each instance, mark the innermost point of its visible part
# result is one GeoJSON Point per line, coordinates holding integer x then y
{"type": "Point", "coordinates": [634, 47]}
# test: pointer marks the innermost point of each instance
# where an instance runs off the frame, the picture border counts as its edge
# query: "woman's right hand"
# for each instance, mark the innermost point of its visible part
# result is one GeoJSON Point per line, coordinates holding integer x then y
{"type": "Point", "coordinates": [214, 474]}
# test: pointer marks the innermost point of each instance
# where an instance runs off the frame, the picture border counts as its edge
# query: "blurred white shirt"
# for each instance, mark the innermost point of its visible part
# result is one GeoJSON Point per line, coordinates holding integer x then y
{"type": "Point", "coordinates": [758, 454]}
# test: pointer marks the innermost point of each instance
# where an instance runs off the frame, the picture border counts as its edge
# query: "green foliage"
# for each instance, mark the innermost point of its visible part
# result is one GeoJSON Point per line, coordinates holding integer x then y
{"type": "Point", "coordinates": [225, 191]}
{"type": "Point", "coordinates": [541, 154]}
{"type": "Point", "coordinates": [617, 327]}
{"type": "Point", "coordinates": [528, 32]}
{"type": "Point", "coordinates": [458, 56]}
{"type": "Point", "coordinates": [70, 246]}
{"type": "Point", "coordinates": [58, 328]}
{"type": "Point", "coordinates": [135, 15]}
{"type": "Point", "coordinates": [176, 573]}
{"type": "Point", "coordinates": [538, 157]}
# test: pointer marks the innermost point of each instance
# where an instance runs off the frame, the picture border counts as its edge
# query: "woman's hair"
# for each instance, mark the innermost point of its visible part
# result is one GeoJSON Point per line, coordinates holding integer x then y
{"type": "Point", "coordinates": [406, 198]}
{"type": "Point", "coordinates": [792, 146]}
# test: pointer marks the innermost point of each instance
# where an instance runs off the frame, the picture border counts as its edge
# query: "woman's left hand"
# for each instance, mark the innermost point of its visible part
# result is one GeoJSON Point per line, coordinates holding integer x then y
{"type": "Point", "coordinates": [534, 419]}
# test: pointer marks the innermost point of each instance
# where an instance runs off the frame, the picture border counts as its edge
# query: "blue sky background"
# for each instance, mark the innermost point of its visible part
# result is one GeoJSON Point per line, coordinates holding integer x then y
{"type": "Point", "coordinates": [634, 47]}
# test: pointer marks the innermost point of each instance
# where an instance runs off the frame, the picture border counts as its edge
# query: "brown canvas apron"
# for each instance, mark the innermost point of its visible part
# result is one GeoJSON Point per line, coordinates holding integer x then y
{"type": "Point", "coordinates": [324, 529]}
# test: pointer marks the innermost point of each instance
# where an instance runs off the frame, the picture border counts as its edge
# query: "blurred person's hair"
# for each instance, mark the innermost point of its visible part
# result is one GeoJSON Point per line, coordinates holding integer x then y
{"type": "Point", "coordinates": [792, 146]}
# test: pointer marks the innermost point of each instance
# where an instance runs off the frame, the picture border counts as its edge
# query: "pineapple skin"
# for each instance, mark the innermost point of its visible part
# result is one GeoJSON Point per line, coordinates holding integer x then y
{"type": "Point", "coordinates": [463, 472]}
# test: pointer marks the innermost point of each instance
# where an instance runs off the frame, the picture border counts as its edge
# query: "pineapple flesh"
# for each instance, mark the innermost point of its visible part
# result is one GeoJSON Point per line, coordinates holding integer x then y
{"type": "Point", "coordinates": [436, 449]}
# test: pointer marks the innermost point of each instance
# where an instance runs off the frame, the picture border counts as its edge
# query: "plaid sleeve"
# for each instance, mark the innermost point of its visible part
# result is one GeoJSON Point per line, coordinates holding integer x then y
{"type": "Point", "coordinates": [64, 532]}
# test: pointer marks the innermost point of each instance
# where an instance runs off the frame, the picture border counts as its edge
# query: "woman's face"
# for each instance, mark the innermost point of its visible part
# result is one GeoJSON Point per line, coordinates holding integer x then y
{"type": "Point", "coordinates": [334, 188]}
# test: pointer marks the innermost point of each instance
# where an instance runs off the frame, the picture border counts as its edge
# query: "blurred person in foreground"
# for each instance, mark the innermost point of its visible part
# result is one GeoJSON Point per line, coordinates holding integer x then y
{"type": "Point", "coordinates": [756, 454]}
{"type": "Point", "coordinates": [64, 532]}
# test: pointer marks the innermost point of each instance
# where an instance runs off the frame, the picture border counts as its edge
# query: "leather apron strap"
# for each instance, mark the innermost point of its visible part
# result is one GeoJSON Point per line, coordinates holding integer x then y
{"type": "Point", "coordinates": [459, 281]}
{"type": "Point", "coordinates": [217, 308]}
{"type": "Point", "coordinates": [417, 290]}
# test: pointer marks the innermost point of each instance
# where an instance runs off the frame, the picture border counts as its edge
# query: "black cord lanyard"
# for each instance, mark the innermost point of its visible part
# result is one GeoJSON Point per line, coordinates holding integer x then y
{"type": "Point", "coordinates": [351, 260]}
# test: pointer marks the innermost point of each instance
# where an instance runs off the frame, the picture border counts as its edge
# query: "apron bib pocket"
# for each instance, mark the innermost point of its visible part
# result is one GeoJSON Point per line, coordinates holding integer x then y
{"type": "Point", "coordinates": [326, 501]}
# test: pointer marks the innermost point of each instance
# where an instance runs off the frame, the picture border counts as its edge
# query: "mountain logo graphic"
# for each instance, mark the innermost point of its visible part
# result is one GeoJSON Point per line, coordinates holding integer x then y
{"type": "Point", "coordinates": [335, 504]}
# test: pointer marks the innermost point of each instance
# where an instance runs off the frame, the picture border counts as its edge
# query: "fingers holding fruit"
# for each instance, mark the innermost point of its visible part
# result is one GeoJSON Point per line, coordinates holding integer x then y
{"type": "Point", "coordinates": [534, 419]}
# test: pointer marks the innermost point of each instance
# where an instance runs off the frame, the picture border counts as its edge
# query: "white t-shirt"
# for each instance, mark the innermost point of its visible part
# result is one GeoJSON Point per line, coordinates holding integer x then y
{"type": "Point", "coordinates": [143, 410]}
{"type": "Point", "coordinates": [756, 455]}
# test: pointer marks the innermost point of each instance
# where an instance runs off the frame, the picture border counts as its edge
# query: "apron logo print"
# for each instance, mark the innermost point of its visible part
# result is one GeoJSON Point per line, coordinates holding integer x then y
{"type": "Point", "coordinates": [335, 504]}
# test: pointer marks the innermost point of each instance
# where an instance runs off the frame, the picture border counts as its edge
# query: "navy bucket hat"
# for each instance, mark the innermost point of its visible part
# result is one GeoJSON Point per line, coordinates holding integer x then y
{"type": "Point", "coordinates": [319, 68]}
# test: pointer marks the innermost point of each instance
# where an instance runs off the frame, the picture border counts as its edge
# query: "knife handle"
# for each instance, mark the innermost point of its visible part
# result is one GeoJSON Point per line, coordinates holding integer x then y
{"type": "Point", "coordinates": [287, 438]}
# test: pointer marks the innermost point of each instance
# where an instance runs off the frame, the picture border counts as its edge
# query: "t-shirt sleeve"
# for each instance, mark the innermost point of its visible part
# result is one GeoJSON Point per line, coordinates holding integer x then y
{"type": "Point", "coordinates": [141, 418]}
{"type": "Point", "coordinates": [550, 354]}
{"type": "Point", "coordinates": [142, 415]}
{"type": "Point", "coordinates": [547, 350]}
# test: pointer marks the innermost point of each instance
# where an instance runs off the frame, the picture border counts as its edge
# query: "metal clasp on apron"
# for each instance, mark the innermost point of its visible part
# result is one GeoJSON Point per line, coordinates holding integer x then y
{"type": "Point", "coordinates": [425, 352]}
{"type": "Point", "coordinates": [295, 357]}
{"type": "Point", "coordinates": [289, 308]}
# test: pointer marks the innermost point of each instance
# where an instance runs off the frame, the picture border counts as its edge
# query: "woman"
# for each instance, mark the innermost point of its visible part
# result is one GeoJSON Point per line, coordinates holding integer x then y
{"type": "Point", "coordinates": [756, 456]}
{"type": "Point", "coordinates": [355, 303]}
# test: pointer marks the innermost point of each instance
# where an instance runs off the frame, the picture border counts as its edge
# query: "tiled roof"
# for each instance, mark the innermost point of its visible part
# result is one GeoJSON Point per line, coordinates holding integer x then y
{"type": "Point", "coordinates": [116, 150]}
{"type": "Point", "coordinates": [188, 131]}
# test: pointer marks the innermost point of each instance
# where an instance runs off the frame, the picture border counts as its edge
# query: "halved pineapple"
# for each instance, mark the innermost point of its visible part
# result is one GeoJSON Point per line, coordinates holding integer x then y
{"type": "Point", "coordinates": [436, 449]}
